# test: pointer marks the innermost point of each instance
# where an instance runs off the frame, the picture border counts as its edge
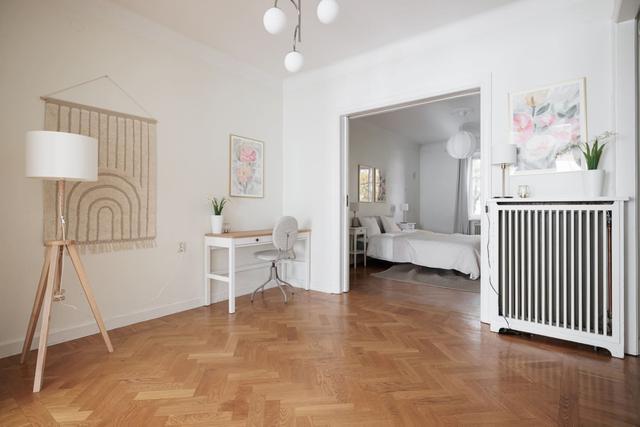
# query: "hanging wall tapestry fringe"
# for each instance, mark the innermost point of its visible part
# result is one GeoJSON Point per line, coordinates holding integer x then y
{"type": "Point", "coordinates": [119, 210]}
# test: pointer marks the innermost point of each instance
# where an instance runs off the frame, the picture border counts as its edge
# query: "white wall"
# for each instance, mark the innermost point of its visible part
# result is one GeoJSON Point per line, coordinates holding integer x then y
{"type": "Point", "coordinates": [397, 157]}
{"type": "Point", "coordinates": [198, 96]}
{"type": "Point", "coordinates": [438, 188]}
{"type": "Point", "coordinates": [529, 44]}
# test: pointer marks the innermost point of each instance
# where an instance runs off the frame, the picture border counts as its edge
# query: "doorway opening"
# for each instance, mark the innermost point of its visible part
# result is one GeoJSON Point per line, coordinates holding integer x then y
{"type": "Point", "coordinates": [414, 184]}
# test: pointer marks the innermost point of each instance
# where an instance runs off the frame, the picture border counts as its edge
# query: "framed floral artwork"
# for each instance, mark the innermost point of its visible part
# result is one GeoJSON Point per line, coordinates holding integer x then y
{"type": "Point", "coordinates": [546, 125]}
{"type": "Point", "coordinates": [246, 167]}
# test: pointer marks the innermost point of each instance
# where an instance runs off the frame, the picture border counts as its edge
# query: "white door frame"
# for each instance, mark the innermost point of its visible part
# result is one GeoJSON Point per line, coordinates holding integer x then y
{"type": "Point", "coordinates": [416, 97]}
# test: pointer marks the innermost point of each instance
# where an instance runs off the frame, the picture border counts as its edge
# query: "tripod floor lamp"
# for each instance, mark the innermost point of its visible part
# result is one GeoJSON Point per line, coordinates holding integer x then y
{"type": "Point", "coordinates": [58, 156]}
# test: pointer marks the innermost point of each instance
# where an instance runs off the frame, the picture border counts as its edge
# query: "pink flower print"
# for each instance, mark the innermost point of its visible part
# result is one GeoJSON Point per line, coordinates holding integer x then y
{"type": "Point", "coordinates": [523, 126]}
{"type": "Point", "coordinates": [248, 154]}
{"type": "Point", "coordinates": [567, 131]}
{"type": "Point", "coordinates": [545, 120]}
{"type": "Point", "coordinates": [244, 174]}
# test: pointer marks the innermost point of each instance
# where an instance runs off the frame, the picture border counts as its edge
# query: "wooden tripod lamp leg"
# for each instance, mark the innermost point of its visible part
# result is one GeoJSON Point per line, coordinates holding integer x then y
{"type": "Point", "coordinates": [37, 303]}
{"type": "Point", "coordinates": [84, 282]}
{"type": "Point", "coordinates": [46, 315]}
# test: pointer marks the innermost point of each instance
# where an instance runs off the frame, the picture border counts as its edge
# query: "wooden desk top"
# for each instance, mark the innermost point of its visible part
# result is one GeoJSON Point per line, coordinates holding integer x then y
{"type": "Point", "coordinates": [249, 233]}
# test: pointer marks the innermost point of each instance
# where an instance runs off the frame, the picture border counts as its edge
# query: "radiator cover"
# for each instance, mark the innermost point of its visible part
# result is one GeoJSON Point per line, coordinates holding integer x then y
{"type": "Point", "coordinates": [556, 269]}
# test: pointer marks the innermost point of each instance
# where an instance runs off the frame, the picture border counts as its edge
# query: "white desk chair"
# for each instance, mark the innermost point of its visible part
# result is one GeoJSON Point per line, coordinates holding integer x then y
{"type": "Point", "coordinates": [284, 236]}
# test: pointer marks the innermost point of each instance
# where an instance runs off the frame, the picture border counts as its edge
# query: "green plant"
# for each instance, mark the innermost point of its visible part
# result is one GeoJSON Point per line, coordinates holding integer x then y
{"type": "Point", "coordinates": [593, 149]}
{"type": "Point", "coordinates": [217, 205]}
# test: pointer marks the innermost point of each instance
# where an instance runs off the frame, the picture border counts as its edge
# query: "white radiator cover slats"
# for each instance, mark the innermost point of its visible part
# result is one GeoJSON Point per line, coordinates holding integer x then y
{"type": "Point", "coordinates": [556, 270]}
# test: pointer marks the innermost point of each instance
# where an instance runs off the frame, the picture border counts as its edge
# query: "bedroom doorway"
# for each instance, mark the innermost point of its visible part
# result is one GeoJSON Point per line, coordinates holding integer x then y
{"type": "Point", "coordinates": [414, 184]}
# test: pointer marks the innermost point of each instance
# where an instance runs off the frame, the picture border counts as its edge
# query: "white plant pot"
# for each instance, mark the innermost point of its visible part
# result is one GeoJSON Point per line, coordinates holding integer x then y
{"type": "Point", "coordinates": [216, 223]}
{"type": "Point", "coordinates": [593, 182]}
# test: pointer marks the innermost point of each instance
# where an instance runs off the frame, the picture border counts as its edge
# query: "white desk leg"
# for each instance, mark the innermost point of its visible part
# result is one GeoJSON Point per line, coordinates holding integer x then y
{"type": "Point", "coordinates": [307, 250]}
{"type": "Point", "coordinates": [207, 271]}
{"type": "Point", "coordinates": [232, 277]}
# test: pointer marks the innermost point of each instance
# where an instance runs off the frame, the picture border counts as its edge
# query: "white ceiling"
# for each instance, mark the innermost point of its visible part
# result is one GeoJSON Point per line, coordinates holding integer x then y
{"type": "Point", "coordinates": [432, 122]}
{"type": "Point", "coordinates": [235, 26]}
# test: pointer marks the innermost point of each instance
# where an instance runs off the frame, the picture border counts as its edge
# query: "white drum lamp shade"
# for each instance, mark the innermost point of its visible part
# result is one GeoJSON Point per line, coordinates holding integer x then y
{"type": "Point", "coordinates": [462, 145]}
{"type": "Point", "coordinates": [294, 61]}
{"type": "Point", "coordinates": [274, 20]}
{"type": "Point", "coordinates": [61, 156]}
{"type": "Point", "coordinates": [328, 11]}
{"type": "Point", "coordinates": [503, 154]}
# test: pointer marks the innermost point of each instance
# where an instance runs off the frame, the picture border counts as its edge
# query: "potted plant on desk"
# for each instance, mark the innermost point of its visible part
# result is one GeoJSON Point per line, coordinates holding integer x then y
{"type": "Point", "coordinates": [594, 177]}
{"type": "Point", "coordinates": [217, 219]}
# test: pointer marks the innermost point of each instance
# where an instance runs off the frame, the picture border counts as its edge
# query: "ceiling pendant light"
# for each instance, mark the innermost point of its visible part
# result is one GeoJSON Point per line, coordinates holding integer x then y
{"type": "Point", "coordinates": [328, 11]}
{"type": "Point", "coordinates": [294, 61]}
{"type": "Point", "coordinates": [274, 20]}
{"type": "Point", "coordinates": [462, 145]}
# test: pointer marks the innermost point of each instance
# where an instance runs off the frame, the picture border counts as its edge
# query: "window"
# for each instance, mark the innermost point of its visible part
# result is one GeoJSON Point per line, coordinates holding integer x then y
{"type": "Point", "coordinates": [475, 187]}
{"type": "Point", "coordinates": [372, 186]}
{"type": "Point", "coordinates": [365, 184]}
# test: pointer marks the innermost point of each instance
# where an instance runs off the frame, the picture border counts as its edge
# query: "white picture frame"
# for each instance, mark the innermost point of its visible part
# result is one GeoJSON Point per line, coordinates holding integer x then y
{"type": "Point", "coordinates": [246, 167]}
{"type": "Point", "coordinates": [546, 124]}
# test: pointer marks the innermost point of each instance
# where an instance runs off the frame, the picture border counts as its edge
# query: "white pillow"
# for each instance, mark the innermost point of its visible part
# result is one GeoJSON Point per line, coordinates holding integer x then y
{"type": "Point", "coordinates": [389, 225]}
{"type": "Point", "coordinates": [371, 224]}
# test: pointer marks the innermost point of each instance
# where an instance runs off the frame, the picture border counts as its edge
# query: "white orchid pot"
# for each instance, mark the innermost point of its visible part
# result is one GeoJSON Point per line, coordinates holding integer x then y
{"type": "Point", "coordinates": [216, 223]}
{"type": "Point", "coordinates": [593, 182]}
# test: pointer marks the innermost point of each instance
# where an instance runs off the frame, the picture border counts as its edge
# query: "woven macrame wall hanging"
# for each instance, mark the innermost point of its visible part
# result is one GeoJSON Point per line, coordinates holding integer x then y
{"type": "Point", "coordinates": [119, 210]}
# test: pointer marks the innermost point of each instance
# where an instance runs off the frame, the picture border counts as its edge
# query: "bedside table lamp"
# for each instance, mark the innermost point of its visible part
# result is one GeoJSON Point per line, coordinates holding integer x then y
{"type": "Point", "coordinates": [504, 155]}
{"type": "Point", "coordinates": [58, 156]}
{"type": "Point", "coordinates": [404, 208]}
{"type": "Point", "coordinates": [354, 207]}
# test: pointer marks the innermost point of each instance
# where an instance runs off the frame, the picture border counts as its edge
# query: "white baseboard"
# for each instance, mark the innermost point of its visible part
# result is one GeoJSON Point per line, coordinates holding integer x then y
{"type": "Point", "coordinates": [9, 348]}
{"type": "Point", "coordinates": [56, 336]}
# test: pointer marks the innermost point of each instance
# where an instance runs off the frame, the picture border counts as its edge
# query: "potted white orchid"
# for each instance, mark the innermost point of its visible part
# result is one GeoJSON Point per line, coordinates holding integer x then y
{"type": "Point", "coordinates": [217, 219]}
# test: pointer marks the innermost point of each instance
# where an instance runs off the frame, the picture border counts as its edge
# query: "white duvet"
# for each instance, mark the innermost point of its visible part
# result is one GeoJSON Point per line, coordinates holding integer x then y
{"type": "Point", "coordinates": [459, 252]}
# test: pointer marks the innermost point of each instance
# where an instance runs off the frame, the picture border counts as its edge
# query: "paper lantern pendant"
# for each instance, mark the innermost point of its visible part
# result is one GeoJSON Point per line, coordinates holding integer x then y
{"type": "Point", "coordinates": [462, 145]}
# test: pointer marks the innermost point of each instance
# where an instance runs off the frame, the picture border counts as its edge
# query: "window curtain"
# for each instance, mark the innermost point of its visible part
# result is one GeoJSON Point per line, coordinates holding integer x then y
{"type": "Point", "coordinates": [461, 224]}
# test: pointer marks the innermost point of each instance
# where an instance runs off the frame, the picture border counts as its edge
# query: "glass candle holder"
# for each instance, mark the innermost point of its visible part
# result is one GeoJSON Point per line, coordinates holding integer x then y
{"type": "Point", "coordinates": [523, 191]}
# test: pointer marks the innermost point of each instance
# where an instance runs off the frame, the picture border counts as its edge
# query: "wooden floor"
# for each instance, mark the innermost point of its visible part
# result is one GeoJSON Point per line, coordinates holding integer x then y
{"type": "Point", "coordinates": [387, 353]}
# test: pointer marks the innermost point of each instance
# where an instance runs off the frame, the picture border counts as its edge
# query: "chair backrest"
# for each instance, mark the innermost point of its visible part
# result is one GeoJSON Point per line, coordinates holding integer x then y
{"type": "Point", "coordinates": [285, 233]}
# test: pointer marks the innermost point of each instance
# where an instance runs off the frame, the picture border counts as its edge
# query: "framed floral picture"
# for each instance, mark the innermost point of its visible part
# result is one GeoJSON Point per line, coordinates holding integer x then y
{"type": "Point", "coordinates": [546, 124]}
{"type": "Point", "coordinates": [246, 167]}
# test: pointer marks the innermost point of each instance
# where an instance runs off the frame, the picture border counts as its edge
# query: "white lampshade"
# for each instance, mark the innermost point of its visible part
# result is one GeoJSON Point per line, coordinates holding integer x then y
{"type": "Point", "coordinates": [404, 207]}
{"type": "Point", "coordinates": [274, 20]}
{"type": "Point", "coordinates": [354, 206]}
{"type": "Point", "coordinates": [61, 155]}
{"type": "Point", "coordinates": [328, 11]}
{"type": "Point", "coordinates": [503, 154]}
{"type": "Point", "coordinates": [462, 145]}
{"type": "Point", "coordinates": [294, 61]}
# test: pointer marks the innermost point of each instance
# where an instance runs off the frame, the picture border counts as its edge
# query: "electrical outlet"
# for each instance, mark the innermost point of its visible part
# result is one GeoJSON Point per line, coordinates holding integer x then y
{"type": "Point", "coordinates": [182, 247]}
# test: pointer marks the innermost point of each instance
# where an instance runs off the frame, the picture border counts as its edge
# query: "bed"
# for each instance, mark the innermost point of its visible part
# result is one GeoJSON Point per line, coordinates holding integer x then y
{"type": "Point", "coordinates": [459, 252]}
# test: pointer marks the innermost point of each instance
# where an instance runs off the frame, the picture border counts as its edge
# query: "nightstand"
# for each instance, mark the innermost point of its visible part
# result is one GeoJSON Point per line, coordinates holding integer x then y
{"type": "Point", "coordinates": [355, 235]}
{"type": "Point", "coordinates": [407, 226]}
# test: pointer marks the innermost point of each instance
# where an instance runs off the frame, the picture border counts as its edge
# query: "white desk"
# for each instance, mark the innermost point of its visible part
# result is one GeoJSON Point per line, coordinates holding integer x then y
{"type": "Point", "coordinates": [241, 239]}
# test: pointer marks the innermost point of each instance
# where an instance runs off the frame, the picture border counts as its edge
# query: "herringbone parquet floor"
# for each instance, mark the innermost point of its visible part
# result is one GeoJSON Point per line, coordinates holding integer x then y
{"type": "Point", "coordinates": [385, 354]}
